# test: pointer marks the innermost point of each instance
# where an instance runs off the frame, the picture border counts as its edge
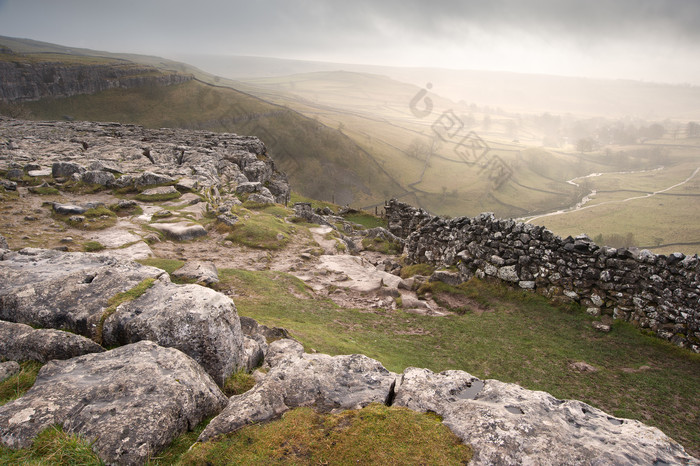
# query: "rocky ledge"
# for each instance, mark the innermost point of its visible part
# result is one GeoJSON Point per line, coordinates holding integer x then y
{"type": "Point", "coordinates": [120, 156]}
{"type": "Point", "coordinates": [176, 343]}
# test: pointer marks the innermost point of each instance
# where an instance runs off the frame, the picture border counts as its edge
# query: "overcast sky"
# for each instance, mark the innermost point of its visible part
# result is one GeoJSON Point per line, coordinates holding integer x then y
{"type": "Point", "coordinates": [651, 40]}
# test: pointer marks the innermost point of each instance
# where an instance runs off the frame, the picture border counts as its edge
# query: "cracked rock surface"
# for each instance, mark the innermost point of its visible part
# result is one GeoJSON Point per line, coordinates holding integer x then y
{"type": "Point", "coordinates": [131, 401]}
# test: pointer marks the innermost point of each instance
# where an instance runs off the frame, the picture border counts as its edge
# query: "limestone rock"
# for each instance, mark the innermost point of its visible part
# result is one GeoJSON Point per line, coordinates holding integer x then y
{"type": "Point", "coordinates": [261, 199]}
{"type": "Point", "coordinates": [196, 320]}
{"type": "Point", "coordinates": [327, 383]}
{"type": "Point", "coordinates": [136, 251]}
{"type": "Point", "coordinates": [445, 276]}
{"type": "Point", "coordinates": [159, 191]}
{"type": "Point", "coordinates": [254, 352]}
{"type": "Point", "coordinates": [69, 209]}
{"type": "Point", "coordinates": [8, 369]}
{"type": "Point", "coordinates": [249, 187]}
{"type": "Point", "coordinates": [507, 424]}
{"type": "Point", "coordinates": [20, 342]}
{"type": "Point", "coordinates": [363, 276]}
{"type": "Point", "coordinates": [199, 271]}
{"type": "Point", "coordinates": [181, 231]}
{"type": "Point", "coordinates": [252, 328]}
{"type": "Point", "coordinates": [52, 289]}
{"type": "Point", "coordinates": [103, 178]}
{"type": "Point", "coordinates": [131, 401]}
{"type": "Point", "coordinates": [65, 169]}
{"type": "Point", "coordinates": [8, 185]}
{"type": "Point", "coordinates": [150, 179]}
{"type": "Point", "coordinates": [3, 243]}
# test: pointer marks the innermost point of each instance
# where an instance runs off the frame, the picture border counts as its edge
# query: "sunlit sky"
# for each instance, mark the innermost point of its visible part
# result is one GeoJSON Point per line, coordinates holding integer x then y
{"type": "Point", "coordinates": [650, 40]}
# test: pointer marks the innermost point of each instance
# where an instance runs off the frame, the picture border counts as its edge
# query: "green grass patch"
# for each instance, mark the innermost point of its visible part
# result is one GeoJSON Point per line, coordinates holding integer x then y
{"type": "Point", "coordinates": [126, 210]}
{"type": "Point", "coordinates": [178, 447]}
{"type": "Point", "coordinates": [295, 197]}
{"type": "Point", "coordinates": [512, 335]}
{"type": "Point", "coordinates": [261, 231]}
{"type": "Point", "coordinates": [157, 197]}
{"type": "Point", "coordinates": [237, 383]}
{"type": "Point", "coordinates": [381, 245]}
{"type": "Point", "coordinates": [79, 187]}
{"type": "Point", "coordinates": [93, 246]}
{"type": "Point", "coordinates": [425, 270]}
{"type": "Point", "coordinates": [366, 219]}
{"type": "Point", "coordinates": [387, 435]}
{"type": "Point", "coordinates": [53, 447]}
{"type": "Point", "coordinates": [98, 218]}
{"type": "Point", "coordinates": [17, 385]}
{"type": "Point", "coordinates": [278, 211]}
{"type": "Point", "coordinates": [44, 190]}
{"type": "Point", "coordinates": [169, 265]}
{"type": "Point", "coordinates": [118, 299]}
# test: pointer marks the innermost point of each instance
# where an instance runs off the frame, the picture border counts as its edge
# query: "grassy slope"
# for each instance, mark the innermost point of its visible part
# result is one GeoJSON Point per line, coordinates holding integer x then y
{"type": "Point", "coordinates": [519, 338]}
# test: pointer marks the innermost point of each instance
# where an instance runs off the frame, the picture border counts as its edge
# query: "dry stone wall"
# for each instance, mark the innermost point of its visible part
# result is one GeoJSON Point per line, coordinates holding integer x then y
{"type": "Point", "coordinates": [656, 292]}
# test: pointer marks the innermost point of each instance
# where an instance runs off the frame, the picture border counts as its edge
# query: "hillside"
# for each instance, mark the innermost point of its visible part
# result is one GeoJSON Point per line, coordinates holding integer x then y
{"type": "Point", "coordinates": [321, 161]}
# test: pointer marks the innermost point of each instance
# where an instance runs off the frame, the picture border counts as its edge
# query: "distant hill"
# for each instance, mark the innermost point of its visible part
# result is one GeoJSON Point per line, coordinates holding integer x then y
{"type": "Point", "coordinates": [514, 92]}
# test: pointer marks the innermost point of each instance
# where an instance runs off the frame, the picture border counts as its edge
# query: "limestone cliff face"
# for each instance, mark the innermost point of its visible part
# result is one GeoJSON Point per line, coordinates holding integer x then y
{"type": "Point", "coordinates": [22, 80]}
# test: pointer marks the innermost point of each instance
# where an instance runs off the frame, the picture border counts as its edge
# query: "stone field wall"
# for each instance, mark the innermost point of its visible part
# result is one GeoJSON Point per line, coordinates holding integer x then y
{"type": "Point", "coordinates": [656, 292]}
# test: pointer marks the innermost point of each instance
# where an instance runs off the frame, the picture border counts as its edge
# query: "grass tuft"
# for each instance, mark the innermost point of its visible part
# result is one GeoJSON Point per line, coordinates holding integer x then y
{"type": "Point", "coordinates": [425, 270]}
{"type": "Point", "coordinates": [238, 382]}
{"type": "Point", "coordinates": [118, 299]}
{"type": "Point", "coordinates": [387, 435]}
{"type": "Point", "coordinates": [93, 246]}
{"type": "Point", "coordinates": [53, 446]}
{"type": "Point", "coordinates": [261, 231]}
{"type": "Point", "coordinates": [381, 245]}
{"type": "Point", "coordinates": [17, 385]}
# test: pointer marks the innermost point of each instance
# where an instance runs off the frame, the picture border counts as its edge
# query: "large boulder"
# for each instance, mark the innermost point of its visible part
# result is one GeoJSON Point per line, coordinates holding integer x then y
{"type": "Point", "coordinates": [199, 321]}
{"type": "Point", "coordinates": [327, 383]}
{"type": "Point", "coordinates": [65, 169]}
{"type": "Point", "coordinates": [507, 424]}
{"type": "Point", "coordinates": [131, 401]}
{"type": "Point", "coordinates": [72, 291]}
{"type": "Point", "coordinates": [20, 342]}
{"type": "Point", "coordinates": [69, 291]}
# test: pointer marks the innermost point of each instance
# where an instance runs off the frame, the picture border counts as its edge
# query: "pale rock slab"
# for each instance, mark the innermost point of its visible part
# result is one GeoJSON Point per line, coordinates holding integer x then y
{"type": "Point", "coordinates": [131, 401]}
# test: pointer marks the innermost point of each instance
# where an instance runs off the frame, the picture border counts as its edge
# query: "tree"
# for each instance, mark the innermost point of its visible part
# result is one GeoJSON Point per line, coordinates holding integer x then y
{"type": "Point", "coordinates": [584, 145]}
{"type": "Point", "coordinates": [692, 130]}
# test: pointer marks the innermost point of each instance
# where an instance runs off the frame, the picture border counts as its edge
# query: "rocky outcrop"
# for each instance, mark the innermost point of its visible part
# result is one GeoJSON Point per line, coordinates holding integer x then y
{"type": "Point", "coordinates": [296, 379]}
{"type": "Point", "coordinates": [20, 342]}
{"type": "Point", "coordinates": [504, 423]}
{"type": "Point", "coordinates": [652, 291]}
{"type": "Point", "coordinates": [95, 152]}
{"type": "Point", "coordinates": [69, 291]}
{"type": "Point", "coordinates": [74, 291]}
{"type": "Point", "coordinates": [196, 320]}
{"type": "Point", "coordinates": [131, 401]}
{"type": "Point", "coordinates": [24, 80]}
{"type": "Point", "coordinates": [507, 424]}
